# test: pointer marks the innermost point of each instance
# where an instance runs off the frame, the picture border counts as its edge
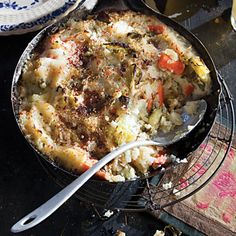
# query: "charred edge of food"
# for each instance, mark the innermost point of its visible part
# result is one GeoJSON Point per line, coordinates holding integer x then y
{"type": "Point", "coordinates": [121, 46]}
{"type": "Point", "coordinates": [103, 16]}
{"type": "Point", "coordinates": [136, 74]}
{"type": "Point", "coordinates": [134, 35]}
{"type": "Point", "coordinates": [155, 42]}
{"type": "Point", "coordinates": [94, 102]}
{"type": "Point", "coordinates": [124, 100]}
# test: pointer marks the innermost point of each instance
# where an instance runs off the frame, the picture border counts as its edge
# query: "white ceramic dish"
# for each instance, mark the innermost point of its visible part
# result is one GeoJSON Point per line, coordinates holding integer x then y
{"type": "Point", "coordinates": [22, 16]}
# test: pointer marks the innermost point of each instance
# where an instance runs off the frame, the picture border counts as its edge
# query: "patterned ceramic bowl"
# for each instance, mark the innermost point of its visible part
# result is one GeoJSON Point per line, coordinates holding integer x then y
{"type": "Point", "coordinates": [22, 16]}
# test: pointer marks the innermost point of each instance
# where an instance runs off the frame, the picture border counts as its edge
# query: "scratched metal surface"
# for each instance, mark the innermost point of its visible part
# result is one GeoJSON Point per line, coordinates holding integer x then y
{"type": "Point", "coordinates": [23, 183]}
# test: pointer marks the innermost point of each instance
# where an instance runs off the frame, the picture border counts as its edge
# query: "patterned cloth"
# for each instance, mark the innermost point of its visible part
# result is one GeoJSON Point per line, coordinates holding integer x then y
{"type": "Point", "coordinates": [212, 210]}
{"type": "Point", "coordinates": [217, 200]}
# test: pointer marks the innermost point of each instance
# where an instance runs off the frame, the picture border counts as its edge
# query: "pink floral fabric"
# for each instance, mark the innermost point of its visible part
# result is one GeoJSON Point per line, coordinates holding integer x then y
{"type": "Point", "coordinates": [217, 200]}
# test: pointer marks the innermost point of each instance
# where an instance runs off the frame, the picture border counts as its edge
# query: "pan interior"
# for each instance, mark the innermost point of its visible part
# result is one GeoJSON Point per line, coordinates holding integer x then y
{"type": "Point", "coordinates": [194, 139]}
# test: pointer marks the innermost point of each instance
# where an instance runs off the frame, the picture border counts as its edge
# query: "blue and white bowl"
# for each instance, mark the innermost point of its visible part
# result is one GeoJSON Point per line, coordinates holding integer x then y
{"type": "Point", "coordinates": [22, 16]}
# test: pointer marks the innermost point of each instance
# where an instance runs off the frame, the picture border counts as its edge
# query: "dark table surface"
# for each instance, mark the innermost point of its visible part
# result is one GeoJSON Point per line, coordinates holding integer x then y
{"type": "Point", "coordinates": [24, 185]}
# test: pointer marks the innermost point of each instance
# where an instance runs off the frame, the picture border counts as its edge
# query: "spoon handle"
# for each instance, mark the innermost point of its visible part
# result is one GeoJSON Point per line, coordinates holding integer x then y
{"type": "Point", "coordinates": [45, 210]}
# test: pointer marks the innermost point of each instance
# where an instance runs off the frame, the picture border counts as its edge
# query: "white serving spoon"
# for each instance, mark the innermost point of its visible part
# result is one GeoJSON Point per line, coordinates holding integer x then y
{"type": "Point", "coordinates": [165, 139]}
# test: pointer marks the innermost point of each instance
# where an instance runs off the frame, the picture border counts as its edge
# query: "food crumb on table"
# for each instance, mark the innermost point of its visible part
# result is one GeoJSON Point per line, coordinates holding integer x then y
{"type": "Point", "coordinates": [167, 185]}
{"type": "Point", "coordinates": [120, 233]}
{"type": "Point", "coordinates": [108, 213]}
{"type": "Point", "coordinates": [159, 233]}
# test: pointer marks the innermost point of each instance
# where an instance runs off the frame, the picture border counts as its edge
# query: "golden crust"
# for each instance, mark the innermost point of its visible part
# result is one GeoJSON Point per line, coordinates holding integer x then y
{"type": "Point", "coordinates": [99, 83]}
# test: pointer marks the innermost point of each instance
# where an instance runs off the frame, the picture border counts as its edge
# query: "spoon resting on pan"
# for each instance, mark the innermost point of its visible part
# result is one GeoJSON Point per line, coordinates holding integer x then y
{"type": "Point", "coordinates": [164, 139]}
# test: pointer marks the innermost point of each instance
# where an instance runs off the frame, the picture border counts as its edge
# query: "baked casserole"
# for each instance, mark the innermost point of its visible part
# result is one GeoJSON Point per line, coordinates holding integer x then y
{"type": "Point", "coordinates": [112, 78]}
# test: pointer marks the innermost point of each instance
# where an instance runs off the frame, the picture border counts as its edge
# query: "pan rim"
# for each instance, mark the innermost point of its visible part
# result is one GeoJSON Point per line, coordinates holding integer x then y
{"type": "Point", "coordinates": [48, 30]}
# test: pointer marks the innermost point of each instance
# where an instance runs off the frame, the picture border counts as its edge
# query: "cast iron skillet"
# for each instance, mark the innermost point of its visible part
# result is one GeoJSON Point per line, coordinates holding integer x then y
{"type": "Point", "coordinates": [182, 148]}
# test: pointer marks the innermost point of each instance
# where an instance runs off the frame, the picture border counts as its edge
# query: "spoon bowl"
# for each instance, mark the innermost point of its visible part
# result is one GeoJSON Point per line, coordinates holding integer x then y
{"type": "Point", "coordinates": [189, 123]}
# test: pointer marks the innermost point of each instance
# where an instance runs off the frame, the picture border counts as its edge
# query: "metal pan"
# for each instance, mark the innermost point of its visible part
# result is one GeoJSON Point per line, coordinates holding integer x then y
{"type": "Point", "coordinates": [194, 139]}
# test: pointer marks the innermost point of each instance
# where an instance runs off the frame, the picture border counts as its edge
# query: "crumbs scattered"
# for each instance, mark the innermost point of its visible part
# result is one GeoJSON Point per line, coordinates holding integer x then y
{"type": "Point", "coordinates": [108, 213]}
{"type": "Point", "coordinates": [167, 185]}
{"type": "Point", "coordinates": [178, 160]}
{"type": "Point", "coordinates": [172, 157]}
{"type": "Point", "coordinates": [176, 192]}
{"type": "Point", "coordinates": [147, 126]}
{"type": "Point", "coordinates": [120, 233]}
{"type": "Point", "coordinates": [159, 233]}
{"type": "Point", "coordinates": [217, 20]}
{"type": "Point", "coordinates": [163, 169]}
